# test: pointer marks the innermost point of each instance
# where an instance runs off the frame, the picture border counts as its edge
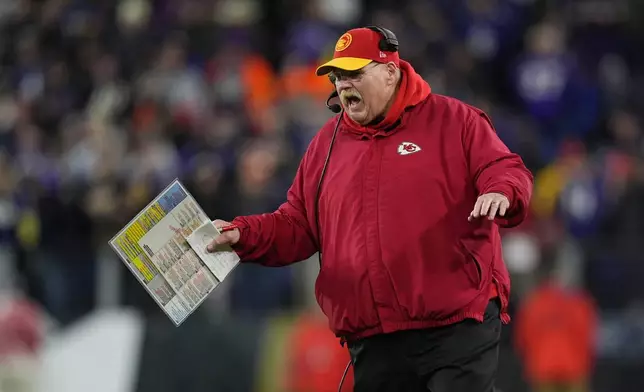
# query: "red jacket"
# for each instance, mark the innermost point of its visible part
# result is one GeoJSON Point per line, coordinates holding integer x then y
{"type": "Point", "coordinates": [397, 249]}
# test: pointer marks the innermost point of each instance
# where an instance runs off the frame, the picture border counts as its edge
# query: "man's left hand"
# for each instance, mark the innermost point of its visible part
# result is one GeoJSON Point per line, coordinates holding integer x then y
{"type": "Point", "coordinates": [490, 205]}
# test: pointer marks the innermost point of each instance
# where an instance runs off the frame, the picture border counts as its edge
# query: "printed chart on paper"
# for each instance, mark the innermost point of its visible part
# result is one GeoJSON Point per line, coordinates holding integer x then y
{"type": "Point", "coordinates": [164, 246]}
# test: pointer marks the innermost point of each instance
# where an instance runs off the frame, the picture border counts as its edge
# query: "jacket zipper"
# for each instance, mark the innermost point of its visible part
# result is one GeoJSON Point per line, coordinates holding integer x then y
{"type": "Point", "coordinates": [504, 317]}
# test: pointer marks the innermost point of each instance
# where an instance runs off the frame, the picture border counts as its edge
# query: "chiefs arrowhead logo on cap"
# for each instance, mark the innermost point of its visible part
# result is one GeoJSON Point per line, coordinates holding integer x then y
{"type": "Point", "coordinates": [343, 42]}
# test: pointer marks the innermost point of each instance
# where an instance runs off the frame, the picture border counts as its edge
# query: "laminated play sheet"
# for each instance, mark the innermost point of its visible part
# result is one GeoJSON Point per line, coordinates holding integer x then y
{"type": "Point", "coordinates": [165, 248]}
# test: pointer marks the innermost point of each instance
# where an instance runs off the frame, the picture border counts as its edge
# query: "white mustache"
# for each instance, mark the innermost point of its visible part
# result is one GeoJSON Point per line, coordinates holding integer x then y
{"type": "Point", "coordinates": [345, 95]}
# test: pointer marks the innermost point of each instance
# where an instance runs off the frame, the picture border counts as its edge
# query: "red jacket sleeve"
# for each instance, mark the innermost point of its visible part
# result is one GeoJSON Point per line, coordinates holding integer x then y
{"type": "Point", "coordinates": [495, 168]}
{"type": "Point", "coordinates": [282, 237]}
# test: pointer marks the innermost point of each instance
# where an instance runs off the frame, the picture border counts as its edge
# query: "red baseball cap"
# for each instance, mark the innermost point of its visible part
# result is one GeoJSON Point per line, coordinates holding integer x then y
{"type": "Point", "coordinates": [355, 49]}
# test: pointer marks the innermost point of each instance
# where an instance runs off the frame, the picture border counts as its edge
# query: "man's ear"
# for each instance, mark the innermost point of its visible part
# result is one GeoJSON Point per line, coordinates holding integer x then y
{"type": "Point", "coordinates": [392, 71]}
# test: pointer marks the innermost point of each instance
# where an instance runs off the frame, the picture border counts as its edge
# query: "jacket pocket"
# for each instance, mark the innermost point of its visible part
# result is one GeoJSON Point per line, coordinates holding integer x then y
{"type": "Point", "coordinates": [472, 268]}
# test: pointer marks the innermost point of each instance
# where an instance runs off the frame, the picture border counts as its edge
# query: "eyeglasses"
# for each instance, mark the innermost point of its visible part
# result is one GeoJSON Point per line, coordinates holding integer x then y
{"type": "Point", "coordinates": [340, 74]}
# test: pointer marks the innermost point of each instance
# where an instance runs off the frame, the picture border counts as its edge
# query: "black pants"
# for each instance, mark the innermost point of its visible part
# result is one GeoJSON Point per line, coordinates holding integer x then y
{"type": "Point", "coordinates": [461, 357]}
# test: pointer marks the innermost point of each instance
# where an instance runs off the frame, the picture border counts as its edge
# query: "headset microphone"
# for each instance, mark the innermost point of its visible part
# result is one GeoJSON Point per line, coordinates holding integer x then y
{"type": "Point", "coordinates": [335, 108]}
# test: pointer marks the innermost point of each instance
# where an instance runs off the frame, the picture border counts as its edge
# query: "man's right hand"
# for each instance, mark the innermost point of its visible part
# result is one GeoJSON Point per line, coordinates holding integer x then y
{"type": "Point", "coordinates": [226, 238]}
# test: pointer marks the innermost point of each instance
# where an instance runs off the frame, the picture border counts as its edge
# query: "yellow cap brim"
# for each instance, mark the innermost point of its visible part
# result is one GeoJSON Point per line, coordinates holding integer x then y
{"type": "Point", "coordinates": [343, 63]}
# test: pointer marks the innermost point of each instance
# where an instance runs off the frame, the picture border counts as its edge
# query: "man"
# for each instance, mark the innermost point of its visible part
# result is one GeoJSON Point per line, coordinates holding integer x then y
{"type": "Point", "coordinates": [559, 355]}
{"type": "Point", "coordinates": [406, 221]}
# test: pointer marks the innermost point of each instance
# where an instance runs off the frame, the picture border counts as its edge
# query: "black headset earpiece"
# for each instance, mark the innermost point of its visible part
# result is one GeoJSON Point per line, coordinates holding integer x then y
{"type": "Point", "coordinates": [389, 41]}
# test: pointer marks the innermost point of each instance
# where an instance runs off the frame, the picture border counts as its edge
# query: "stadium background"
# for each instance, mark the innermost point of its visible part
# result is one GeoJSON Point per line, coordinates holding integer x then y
{"type": "Point", "coordinates": [103, 102]}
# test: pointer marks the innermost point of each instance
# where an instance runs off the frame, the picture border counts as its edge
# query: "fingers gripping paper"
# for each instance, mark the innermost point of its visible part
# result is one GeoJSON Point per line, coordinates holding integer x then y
{"type": "Point", "coordinates": [165, 248]}
{"type": "Point", "coordinates": [223, 260]}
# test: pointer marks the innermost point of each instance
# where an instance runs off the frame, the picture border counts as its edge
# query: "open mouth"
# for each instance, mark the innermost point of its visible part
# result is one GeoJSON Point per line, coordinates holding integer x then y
{"type": "Point", "coordinates": [351, 99]}
{"type": "Point", "coordinates": [353, 102]}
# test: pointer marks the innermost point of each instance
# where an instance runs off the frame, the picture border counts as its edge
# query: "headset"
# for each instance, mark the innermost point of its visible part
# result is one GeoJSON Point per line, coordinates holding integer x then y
{"type": "Point", "coordinates": [388, 43]}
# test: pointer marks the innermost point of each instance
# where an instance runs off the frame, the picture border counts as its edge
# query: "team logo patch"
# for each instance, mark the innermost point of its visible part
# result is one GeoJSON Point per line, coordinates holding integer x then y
{"type": "Point", "coordinates": [407, 148]}
{"type": "Point", "coordinates": [343, 42]}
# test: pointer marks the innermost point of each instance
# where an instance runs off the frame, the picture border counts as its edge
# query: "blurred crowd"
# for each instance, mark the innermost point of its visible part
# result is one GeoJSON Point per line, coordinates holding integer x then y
{"type": "Point", "coordinates": [104, 102]}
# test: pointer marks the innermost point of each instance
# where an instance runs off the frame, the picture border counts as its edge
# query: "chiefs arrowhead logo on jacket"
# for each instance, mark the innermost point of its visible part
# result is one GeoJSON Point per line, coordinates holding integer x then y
{"type": "Point", "coordinates": [406, 148]}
